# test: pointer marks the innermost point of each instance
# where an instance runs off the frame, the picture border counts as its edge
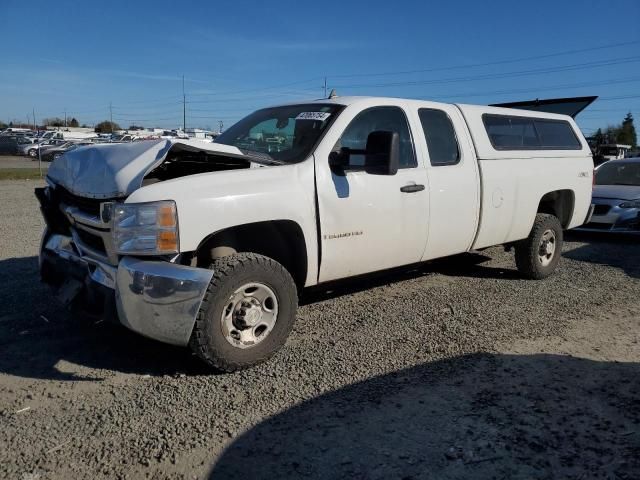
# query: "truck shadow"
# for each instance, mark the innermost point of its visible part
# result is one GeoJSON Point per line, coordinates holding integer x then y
{"type": "Point", "coordinates": [617, 251]}
{"type": "Point", "coordinates": [476, 416]}
{"type": "Point", "coordinates": [463, 265]}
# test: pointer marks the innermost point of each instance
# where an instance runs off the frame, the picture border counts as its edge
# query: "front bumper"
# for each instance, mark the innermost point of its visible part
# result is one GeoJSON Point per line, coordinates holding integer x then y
{"type": "Point", "coordinates": [157, 299]}
{"type": "Point", "coordinates": [608, 216]}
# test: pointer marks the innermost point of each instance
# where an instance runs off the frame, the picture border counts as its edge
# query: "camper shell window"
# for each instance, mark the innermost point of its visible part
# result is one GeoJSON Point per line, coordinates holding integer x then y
{"type": "Point", "coordinates": [529, 133]}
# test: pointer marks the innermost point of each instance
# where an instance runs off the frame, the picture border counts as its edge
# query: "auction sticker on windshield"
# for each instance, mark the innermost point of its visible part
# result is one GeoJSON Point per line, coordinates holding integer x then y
{"type": "Point", "coordinates": [321, 116]}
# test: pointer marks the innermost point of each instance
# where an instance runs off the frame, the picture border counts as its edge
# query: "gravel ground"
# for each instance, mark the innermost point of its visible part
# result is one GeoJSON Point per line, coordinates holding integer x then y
{"type": "Point", "coordinates": [457, 369]}
{"type": "Point", "coordinates": [12, 161]}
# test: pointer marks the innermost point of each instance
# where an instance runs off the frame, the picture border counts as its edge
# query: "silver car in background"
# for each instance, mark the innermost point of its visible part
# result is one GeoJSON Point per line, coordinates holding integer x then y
{"type": "Point", "coordinates": [31, 149]}
{"type": "Point", "coordinates": [616, 197]}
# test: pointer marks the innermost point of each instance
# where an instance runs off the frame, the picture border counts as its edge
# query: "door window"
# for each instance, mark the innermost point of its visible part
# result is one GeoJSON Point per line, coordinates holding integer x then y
{"type": "Point", "coordinates": [440, 136]}
{"type": "Point", "coordinates": [374, 119]}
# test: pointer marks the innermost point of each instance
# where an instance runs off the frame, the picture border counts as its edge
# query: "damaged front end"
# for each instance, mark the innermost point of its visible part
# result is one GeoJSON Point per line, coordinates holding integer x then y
{"type": "Point", "coordinates": [157, 296]}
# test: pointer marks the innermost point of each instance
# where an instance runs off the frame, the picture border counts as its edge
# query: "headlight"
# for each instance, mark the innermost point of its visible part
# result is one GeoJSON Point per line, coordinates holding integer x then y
{"type": "Point", "coordinates": [631, 204]}
{"type": "Point", "coordinates": [146, 228]}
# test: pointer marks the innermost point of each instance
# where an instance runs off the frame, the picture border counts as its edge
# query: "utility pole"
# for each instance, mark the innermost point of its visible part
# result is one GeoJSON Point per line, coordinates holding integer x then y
{"type": "Point", "coordinates": [184, 108]}
{"type": "Point", "coordinates": [325, 87]}
{"type": "Point", "coordinates": [35, 127]}
{"type": "Point", "coordinates": [111, 117]}
{"type": "Point", "coordinates": [65, 118]}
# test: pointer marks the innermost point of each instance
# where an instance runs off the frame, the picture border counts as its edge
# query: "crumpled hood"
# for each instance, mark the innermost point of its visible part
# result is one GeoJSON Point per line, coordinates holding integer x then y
{"type": "Point", "coordinates": [622, 192]}
{"type": "Point", "coordinates": [117, 169]}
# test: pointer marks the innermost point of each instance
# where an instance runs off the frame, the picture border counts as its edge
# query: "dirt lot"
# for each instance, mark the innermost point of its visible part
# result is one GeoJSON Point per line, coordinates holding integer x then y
{"type": "Point", "coordinates": [455, 370]}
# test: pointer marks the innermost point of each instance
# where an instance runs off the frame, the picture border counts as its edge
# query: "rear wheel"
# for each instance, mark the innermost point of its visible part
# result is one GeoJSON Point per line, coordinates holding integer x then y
{"type": "Point", "coordinates": [247, 313]}
{"type": "Point", "coordinates": [33, 153]}
{"type": "Point", "coordinates": [537, 256]}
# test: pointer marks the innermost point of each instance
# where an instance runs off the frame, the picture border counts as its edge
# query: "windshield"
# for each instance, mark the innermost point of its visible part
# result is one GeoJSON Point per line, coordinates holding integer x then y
{"type": "Point", "coordinates": [286, 134]}
{"type": "Point", "coordinates": [618, 173]}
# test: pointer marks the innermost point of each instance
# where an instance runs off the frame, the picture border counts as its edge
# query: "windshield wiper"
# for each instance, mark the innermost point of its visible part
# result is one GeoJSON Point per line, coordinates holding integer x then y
{"type": "Point", "coordinates": [259, 157]}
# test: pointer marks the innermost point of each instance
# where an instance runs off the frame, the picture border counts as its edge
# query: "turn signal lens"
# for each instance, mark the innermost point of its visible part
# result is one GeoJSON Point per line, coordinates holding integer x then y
{"type": "Point", "coordinates": [167, 215]}
{"type": "Point", "coordinates": [167, 241]}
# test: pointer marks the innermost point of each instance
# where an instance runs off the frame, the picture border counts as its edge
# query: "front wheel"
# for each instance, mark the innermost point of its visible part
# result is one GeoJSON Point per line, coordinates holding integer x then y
{"type": "Point", "coordinates": [537, 256]}
{"type": "Point", "coordinates": [33, 153]}
{"type": "Point", "coordinates": [247, 313]}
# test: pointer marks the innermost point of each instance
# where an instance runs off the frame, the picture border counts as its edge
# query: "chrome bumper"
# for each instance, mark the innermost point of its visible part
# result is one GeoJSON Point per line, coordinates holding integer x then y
{"type": "Point", "coordinates": [157, 299]}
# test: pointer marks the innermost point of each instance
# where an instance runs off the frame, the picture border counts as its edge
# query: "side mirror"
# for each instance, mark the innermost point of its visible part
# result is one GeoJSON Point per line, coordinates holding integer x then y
{"type": "Point", "coordinates": [382, 155]}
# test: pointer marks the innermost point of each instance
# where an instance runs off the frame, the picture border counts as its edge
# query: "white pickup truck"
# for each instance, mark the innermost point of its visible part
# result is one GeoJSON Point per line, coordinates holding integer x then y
{"type": "Point", "coordinates": [210, 245]}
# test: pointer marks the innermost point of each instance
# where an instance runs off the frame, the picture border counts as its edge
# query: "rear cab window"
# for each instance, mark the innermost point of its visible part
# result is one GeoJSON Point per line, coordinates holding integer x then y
{"type": "Point", "coordinates": [507, 132]}
{"type": "Point", "coordinates": [440, 136]}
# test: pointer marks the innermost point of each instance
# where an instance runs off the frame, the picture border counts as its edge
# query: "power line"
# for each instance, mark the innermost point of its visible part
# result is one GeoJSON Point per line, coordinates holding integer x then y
{"type": "Point", "coordinates": [488, 76]}
{"type": "Point", "coordinates": [541, 89]}
{"type": "Point", "coordinates": [300, 82]}
{"type": "Point", "coordinates": [621, 97]}
{"type": "Point", "coordinates": [486, 64]}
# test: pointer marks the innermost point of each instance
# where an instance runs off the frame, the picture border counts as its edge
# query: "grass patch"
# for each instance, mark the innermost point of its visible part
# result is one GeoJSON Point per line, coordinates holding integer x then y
{"type": "Point", "coordinates": [21, 173]}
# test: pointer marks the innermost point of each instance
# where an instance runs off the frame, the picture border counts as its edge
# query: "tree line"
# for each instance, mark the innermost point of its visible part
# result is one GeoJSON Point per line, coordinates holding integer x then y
{"type": "Point", "coordinates": [623, 133]}
{"type": "Point", "coordinates": [103, 127]}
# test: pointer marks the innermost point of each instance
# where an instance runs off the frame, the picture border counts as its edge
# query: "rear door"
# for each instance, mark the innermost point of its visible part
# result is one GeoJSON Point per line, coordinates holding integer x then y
{"type": "Point", "coordinates": [370, 222]}
{"type": "Point", "coordinates": [454, 183]}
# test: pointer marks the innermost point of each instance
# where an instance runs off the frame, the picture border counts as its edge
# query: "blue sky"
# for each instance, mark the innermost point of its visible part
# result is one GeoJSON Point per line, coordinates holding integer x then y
{"type": "Point", "coordinates": [238, 56]}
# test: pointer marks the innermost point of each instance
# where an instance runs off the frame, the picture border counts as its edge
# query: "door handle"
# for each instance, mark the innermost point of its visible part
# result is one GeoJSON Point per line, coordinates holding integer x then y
{"type": "Point", "coordinates": [412, 188]}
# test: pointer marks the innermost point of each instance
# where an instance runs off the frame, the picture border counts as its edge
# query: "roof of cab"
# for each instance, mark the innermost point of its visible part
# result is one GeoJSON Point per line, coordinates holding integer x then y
{"type": "Point", "coordinates": [353, 100]}
{"type": "Point", "coordinates": [473, 117]}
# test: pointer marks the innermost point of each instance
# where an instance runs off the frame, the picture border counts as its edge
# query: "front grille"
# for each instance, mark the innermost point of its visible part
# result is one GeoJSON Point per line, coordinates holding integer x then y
{"type": "Point", "coordinates": [86, 205]}
{"type": "Point", "coordinates": [92, 241]}
{"type": "Point", "coordinates": [601, 209]}
{"type": "Point", "coordinates": [598, 226]}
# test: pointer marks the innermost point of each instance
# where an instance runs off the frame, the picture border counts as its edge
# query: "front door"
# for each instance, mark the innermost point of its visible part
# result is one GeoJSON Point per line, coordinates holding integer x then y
{"type": "Point", "coordinates": [371, 222]}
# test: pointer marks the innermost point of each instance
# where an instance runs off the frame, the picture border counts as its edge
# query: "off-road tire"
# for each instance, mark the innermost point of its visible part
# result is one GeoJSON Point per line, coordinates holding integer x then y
{"type": "Point", "coordinates": [527, 250]}
{"type": "Point", "coordinates": [229, 273]}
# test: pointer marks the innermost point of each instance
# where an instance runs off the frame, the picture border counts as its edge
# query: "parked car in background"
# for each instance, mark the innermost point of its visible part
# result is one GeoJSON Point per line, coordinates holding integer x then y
{"type": "Point", "coordinates": [616, 197]}
{"type": "Point", "coordinates": [11, 145]}
{"type": "Point", "coordinates": [31, 149]}
{"type": "Point", "coordinates": [68, 135]}
{"type": "Point", "coordinates": [122, 138]}
{"type": "Point", "coordinates": [52, 153]}
{"type": "Point", "coordinates": [12, 131]}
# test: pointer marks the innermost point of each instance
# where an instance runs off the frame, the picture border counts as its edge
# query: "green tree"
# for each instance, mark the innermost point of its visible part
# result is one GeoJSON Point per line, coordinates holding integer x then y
{"type": "Point", "coordinates": [107, 127]}
{"type": "Point", "coordinates": [627, 132]}
{"type": "Point", "coordinates": [598, 137]}
{"type": "Point", "coordinates": [54, 122]}
{"type": "Point", "coordinates": [73, 122]}
{"type": "Point", "coordinates": [3, 125]}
